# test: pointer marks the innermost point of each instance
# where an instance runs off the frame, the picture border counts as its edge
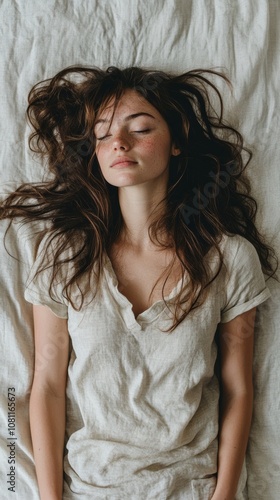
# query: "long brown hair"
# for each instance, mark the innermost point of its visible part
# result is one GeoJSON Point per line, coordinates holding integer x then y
{"type": "Point", "coordinates": [208, 194]}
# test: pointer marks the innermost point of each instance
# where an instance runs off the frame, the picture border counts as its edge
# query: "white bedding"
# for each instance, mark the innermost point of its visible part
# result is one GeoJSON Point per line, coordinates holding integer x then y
{"type": "Point", "coordinates": [40, 38]}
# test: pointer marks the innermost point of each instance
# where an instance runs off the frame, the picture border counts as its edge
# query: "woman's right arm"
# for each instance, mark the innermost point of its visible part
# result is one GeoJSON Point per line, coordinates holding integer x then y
{"type": "Point", "coordinates": [47, 400]}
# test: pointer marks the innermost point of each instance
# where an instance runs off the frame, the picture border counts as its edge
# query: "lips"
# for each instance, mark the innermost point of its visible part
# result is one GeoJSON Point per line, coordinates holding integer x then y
{"type": "Point", "coordinates": [123, 161]}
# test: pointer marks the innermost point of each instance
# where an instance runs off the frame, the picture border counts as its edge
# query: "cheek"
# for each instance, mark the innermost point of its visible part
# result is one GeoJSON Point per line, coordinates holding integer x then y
{"type": "Point", "coordinates": [99, 154]}
{"type": "Point", "coordinates": [149, 146]}
{"type": "Point", "coordinates": [157, 146]}
{"type": "Point", "coordinates": [101, 161]}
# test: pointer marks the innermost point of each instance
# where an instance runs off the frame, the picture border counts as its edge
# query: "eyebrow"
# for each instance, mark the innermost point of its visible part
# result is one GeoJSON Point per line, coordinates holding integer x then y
{"type": "Point", "coordinates": [127, 118]}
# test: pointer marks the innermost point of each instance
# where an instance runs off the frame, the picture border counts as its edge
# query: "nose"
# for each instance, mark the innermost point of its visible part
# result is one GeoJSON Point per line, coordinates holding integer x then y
{"type": "Point", "coordinates": [121, 142]}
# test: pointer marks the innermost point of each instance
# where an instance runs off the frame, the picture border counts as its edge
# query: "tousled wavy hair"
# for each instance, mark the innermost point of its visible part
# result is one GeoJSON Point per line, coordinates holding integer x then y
{"type": "Point", "coordinates": [208, 194]}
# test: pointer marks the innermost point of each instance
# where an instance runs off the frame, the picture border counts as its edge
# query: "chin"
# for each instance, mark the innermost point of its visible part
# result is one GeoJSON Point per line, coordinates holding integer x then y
{"type": "Point", "coordinates": [123, 182]}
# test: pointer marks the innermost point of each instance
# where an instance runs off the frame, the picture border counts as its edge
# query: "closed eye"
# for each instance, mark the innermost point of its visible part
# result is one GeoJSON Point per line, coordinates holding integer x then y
{"type": "Point", "coordinates": [144, 131]}
{"type": "Point", "coordinates": [102, 138]}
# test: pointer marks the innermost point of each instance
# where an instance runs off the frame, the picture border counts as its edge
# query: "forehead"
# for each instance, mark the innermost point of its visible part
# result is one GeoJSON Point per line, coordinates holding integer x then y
{"type": "Point", "coordinates": [131, 102]}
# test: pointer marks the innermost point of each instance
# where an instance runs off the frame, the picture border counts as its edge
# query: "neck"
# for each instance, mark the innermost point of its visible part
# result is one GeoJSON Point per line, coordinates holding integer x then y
{"type": "Point", "coordinates": [139, 208]}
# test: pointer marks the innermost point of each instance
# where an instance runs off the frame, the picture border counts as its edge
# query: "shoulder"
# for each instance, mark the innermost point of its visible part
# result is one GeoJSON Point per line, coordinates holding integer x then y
{"type": "Point", "coordinates": [54, 248]}
{"type": "Point", "coordinates": [237, 249]}
{"type": "Point", "coordinates": [234, 250]}
{"type": "Point", "coordinates": [243, 283]}
{"type": "Point", "coordinates": [234, 243]}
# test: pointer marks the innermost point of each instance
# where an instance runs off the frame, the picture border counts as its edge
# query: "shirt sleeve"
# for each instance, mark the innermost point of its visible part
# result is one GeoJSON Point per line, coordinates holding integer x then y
{"type": "Point", "coordinates": [246, 287]}
{"type": "Point", "coordinates": [37, 285]}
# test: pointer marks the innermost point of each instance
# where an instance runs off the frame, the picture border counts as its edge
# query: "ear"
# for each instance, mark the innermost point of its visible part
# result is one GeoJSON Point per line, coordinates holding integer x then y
{"type": "Point", "coordinates": [175, 151]}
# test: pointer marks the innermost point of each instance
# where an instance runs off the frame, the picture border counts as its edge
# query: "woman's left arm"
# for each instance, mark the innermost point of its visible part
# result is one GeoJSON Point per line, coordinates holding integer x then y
{"type": "Point", "coordinates": [236, 359]}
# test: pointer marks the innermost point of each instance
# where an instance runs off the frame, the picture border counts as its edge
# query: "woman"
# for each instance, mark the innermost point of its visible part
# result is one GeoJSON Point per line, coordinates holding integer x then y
{"type": "Point", "coordinates": [150, 266]}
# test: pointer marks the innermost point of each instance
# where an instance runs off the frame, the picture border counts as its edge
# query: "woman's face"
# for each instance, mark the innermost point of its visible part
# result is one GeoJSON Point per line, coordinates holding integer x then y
{"type": "Point", "coordinates": [136, 147]}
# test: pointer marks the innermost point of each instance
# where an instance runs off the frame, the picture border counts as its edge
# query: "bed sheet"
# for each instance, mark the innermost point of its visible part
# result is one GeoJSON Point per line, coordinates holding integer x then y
{"type": "Point", "coordinates": [40, 38]}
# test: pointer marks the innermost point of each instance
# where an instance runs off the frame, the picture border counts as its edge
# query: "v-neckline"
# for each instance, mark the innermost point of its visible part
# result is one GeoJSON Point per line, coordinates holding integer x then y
{"type": "Point", "coordinates": [147, 313]}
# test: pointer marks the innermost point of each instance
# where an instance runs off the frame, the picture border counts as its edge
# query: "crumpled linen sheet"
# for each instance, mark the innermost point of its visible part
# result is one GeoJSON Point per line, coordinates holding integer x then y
{"type": "Point", "coordinates": [40, 38]}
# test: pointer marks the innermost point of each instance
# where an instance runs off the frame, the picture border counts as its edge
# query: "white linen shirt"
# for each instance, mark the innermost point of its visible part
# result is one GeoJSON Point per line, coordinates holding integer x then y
{"type": "Point", "coordinates": [142, 405]}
